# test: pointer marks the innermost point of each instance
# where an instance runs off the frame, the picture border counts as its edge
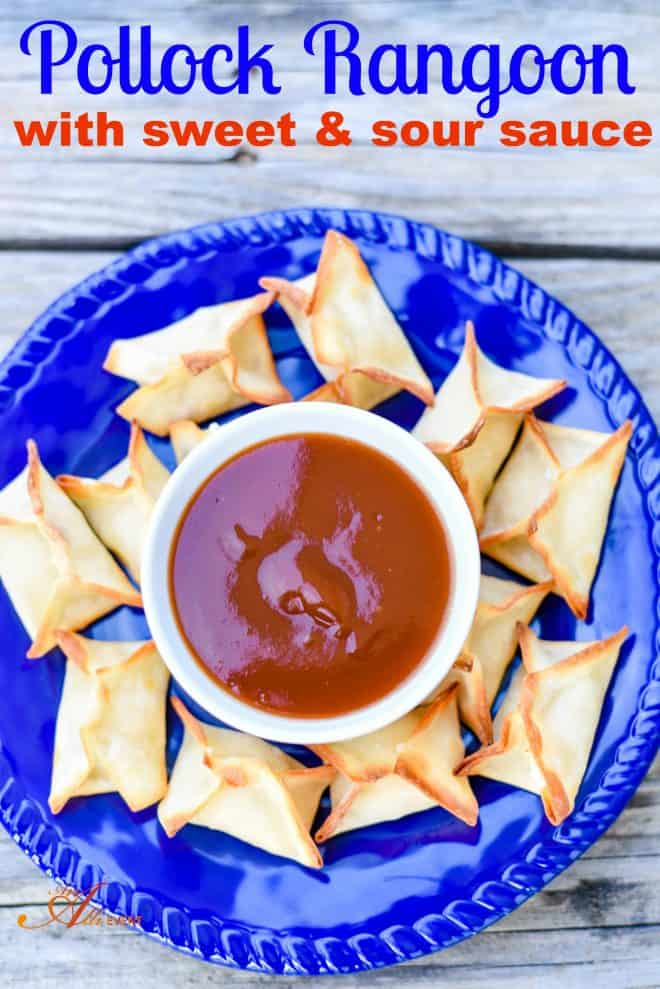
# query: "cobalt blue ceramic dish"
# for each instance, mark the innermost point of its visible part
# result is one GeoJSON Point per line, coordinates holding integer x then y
{"type": "Point", "coordinates": [398, 890]}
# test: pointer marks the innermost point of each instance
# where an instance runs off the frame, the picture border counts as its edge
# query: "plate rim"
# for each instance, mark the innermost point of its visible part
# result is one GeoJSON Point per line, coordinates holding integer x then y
{"type": "Point", "coordinates": [256, 948]}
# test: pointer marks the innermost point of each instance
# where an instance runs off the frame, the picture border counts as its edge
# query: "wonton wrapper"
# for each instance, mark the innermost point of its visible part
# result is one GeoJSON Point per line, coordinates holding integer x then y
{"type": "Point", "coordinates": [547, 514]}
{"type": "Point", "coordinates": [110, 732]}
{"type": "Point", "coordinates": [475, 417]}
{"type": "Point", "coordinates": [186, 435]}
{"type": "Point", "coordinates": [401, 769]}
{"type": "Point", "coordinates": [547, 724]}
{"type": "Point", "coordinates": [210, 362]}
{"type": "Point", "coordinates": [349, 330]}
{"type": "Point", "coordinates": [119, 504]}
{"type": "Point", "coordinates": [490, 647]}
{"type": "Point", "coordinates": [242, 785]}
{"type": "Point", "coordinates": [56, 571]}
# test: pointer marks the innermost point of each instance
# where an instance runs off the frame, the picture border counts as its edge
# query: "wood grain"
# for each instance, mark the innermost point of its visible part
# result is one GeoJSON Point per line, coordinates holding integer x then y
{"type": "Point", "coordinates": [584, 224]}
{"type": "Point", "coordinates": [615, 957]}
{"type": "Point", "coordinates": [482, 197]}
{"type": "Point", "coordinates": [524, 197]}
{"type": "Point", "coordinates": [567, 944]}
{"type": "Point", "coordinates": [284, 23]}
{"type": "Point", "coordinates": [302, 96]}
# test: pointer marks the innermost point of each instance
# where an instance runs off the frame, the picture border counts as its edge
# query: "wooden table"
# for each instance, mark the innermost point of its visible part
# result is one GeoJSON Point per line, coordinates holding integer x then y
{"type": "Point", "coordinates": [586, 225]}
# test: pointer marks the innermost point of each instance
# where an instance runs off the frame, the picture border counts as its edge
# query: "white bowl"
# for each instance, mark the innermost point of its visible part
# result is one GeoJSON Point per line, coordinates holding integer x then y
{"type": "Point", "coordinates": [282, 420]}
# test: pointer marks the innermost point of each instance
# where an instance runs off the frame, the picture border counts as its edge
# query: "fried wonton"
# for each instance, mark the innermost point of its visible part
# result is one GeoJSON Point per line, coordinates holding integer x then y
{"type": "Point", "coordinates": [547, 514]}
{"type": "Point", "coordinates": [401, 769]}
{"type": "Point", "coordinates": [119, 504]}
{"type": "Point", "coordinates": [349, 330]}
{"type": "Point", "coordinates": [186, 435]}
{"type": "Point", "coordinates": [110, 732]}
{"type": "Point", "coordinates": [547, 724]}
{"type": "Point", "coordinates": [56, 571]}
{"type": "Point", "coordinates": [239, 784]}
{"type": "Point", "coordinates": [210, 362]}
{"type": "Point", "coordinates": [490, 647]}
{"type": "Point", "coordinates": [475, 417]}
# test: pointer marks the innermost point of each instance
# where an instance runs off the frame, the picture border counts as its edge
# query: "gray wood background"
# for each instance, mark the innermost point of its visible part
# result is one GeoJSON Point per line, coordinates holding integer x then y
{"type": "Point", "coordinates": [584, 224]}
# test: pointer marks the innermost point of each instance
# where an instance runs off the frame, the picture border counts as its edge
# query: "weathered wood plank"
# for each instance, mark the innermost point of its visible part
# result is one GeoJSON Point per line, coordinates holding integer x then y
{"type": "Point", "coordinates": [619, 958]}
{"type": "Point", "coordinates": [283, 24]}
{"type": "Point", "coordinates": [300, 99]}
{"type": "Point", "coordinates": [534, 197]}
{"type": "Point", "coordinates": [483, 196]}
{"type": "Point", "coordinates": [595, 892]}
{"type": "Point", "coordinates": [620, 300]}
{"type": "Point", "coordinates": [579, 930]}
{"type": "Point", "coordinates": [302, 96]}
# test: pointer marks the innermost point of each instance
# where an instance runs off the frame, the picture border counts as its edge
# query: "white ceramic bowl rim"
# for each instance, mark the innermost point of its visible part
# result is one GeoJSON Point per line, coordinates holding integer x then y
{"type": "Point", "coordinates": [314, 417]}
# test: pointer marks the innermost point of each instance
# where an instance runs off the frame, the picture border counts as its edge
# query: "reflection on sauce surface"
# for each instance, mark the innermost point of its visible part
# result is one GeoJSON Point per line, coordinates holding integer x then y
{"type": "Point", "coordinates": [310, 575]}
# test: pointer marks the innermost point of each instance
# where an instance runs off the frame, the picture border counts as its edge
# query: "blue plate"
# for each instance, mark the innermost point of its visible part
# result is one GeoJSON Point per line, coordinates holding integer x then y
{"type": "Point", "coordinates": [398, 890]}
